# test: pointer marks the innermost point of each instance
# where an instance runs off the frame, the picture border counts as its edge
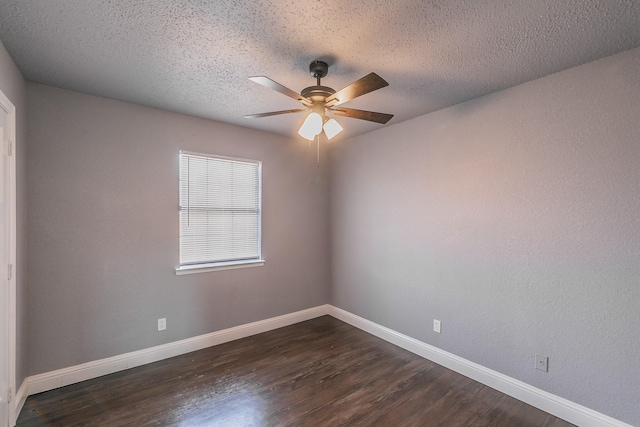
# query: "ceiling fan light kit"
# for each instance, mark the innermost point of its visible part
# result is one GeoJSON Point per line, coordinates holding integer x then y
{"type": "Point", "coordinates": [331, 128]}
{"type": "Point", "coordinates": [311, 127]}
{"type": "Point", "coordinates": [320, 100]}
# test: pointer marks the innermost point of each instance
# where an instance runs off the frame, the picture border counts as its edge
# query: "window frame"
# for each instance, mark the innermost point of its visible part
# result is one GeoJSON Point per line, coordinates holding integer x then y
{"type": "Point", "coordinates": [204, 267]}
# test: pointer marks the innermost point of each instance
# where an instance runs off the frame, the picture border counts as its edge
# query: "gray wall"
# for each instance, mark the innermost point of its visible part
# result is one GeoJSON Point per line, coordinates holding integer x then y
{"type": "Point", "coordinates": [103, 229]}
{"type": "Point", "coordinates": [12, 84]}
{"type": "Point", "coordinates": [514, 219]}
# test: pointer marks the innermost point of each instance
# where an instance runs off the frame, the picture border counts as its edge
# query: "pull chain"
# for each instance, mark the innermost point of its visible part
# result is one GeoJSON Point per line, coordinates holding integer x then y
{"type": "Point", "coordinates": [318, 143]}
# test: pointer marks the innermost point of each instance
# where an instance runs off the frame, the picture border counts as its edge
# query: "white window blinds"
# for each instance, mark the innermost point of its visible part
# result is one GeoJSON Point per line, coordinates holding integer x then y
{"type": "Point", "coordinates": [220, 212]}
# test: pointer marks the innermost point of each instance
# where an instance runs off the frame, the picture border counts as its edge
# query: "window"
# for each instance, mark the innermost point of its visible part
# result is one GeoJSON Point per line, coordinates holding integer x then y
{"type": "Point", "coordinates": [220, 212]}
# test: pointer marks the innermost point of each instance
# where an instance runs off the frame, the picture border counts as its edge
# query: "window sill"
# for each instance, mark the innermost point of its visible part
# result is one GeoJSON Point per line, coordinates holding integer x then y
{"type": "Point", "coordinates": [205, 268]}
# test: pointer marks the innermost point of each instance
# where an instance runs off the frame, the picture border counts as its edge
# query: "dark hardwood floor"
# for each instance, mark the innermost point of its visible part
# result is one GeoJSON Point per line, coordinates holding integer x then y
{"type": "Point", "coordinates": [322, 372]}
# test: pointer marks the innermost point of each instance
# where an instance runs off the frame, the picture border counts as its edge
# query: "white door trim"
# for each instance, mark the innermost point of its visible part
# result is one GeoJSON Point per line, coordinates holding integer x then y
{"type": "Point", "coordinates": [10, 109]}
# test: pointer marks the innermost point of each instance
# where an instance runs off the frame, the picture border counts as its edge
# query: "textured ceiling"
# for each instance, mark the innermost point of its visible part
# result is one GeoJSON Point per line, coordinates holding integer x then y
{"type": "Point", "coordinates": [194, 56]}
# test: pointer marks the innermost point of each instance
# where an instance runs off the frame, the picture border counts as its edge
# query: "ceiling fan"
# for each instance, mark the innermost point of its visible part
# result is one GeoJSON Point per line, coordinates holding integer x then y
{"type": "Point", "coordinates": [320, 100]}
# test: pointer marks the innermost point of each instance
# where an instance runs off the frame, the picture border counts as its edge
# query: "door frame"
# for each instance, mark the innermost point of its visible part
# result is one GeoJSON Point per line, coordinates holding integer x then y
{"type": "Point", "coordinates": [10, 216]}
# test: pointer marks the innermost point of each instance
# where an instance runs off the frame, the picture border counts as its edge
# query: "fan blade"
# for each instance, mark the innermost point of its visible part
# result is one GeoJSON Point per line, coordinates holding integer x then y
{"type": "Point", "coordinates": [267, 82]}
{"type": "Point", "coordinates": [273, 113]}
{"type": "Point", "coordinates": [363, 115]}
{"type": "Point", "coordinates": [367, 84]}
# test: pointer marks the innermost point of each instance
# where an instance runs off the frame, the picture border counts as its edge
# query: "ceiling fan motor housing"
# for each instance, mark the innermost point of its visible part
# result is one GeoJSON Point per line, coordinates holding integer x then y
{"type": "Point", "coordinates": [317, 93]}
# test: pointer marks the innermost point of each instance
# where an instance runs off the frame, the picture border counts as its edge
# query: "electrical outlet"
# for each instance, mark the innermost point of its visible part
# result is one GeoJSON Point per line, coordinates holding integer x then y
{"type": "Point", "coordinates": [162, 324]}
{"type": "Point", "coordinates": [542, 363]}
{"type": "Point", "coordinates": [437, 325]}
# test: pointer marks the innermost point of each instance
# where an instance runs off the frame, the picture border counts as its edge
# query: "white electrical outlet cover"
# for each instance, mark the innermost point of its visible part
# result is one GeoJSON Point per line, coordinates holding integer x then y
{"type": "Point", "coordinates": [437, 325]}
{"type": "Point", "coordinates": [542, 363]}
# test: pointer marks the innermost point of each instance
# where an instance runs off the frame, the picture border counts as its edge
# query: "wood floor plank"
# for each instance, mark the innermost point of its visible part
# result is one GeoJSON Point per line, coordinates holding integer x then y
{"type": "Point", "coordinates": [322, 372]}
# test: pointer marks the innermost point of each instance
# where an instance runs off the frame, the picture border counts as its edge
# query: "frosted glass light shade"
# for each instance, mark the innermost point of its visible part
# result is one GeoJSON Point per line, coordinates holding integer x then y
{"type": "Point", "coordinates": [332, 128]}
{"type": "Point", "coordinates": [311, 127]}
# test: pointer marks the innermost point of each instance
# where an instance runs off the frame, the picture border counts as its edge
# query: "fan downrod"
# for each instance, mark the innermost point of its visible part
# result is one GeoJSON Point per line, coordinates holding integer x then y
{"type": "Point", "coordinates": [318, 93]}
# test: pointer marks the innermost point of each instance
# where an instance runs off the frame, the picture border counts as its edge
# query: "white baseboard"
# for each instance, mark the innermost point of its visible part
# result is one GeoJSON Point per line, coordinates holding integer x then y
{"type": "Point", "coordinates": [555, 405]}
{"type": "Point", "coordinates": [74, 374]}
